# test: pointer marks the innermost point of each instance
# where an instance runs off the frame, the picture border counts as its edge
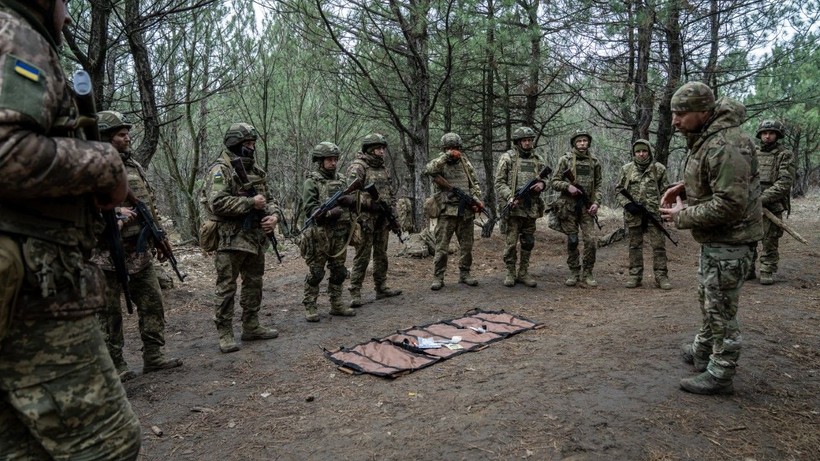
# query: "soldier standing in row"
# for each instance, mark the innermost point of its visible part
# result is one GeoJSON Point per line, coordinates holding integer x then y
{"type": "Point", "coordinates": [777, 171]}
{"type": "Point", "coordinates": [60, 396]}
{"type": "Point", "coordinates": [517, 167]}
{"type": "Point", "coordinates": [325, 243]}
{"type": "Point", "coordinates": [242, 242]}
{"type": "Point", "coordinates": [143, 283]}
{"type": "Point", "coordinates": [644, 179]}
{"type": "Point", "coordinates": [570, 214]}
{"type": "Point", "coordinates": [454, 216]}
{"type": "Point", "coordinates": [370, 168]}
{"type": "Point", "coordinates": [723, 210]}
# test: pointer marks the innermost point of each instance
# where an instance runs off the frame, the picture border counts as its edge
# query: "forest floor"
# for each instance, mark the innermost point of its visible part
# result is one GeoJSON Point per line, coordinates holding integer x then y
{"type": "Point", "coordinates": [598, 382]}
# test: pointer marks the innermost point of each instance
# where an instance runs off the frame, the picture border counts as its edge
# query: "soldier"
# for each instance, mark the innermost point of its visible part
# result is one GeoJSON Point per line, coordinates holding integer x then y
{"type": "Point", "coordinates": [60, 397]}
{"type": "Point", "coordinates": [723, 210]}
{"type": "Point", "coordinates": [143, 282]}
{"type": "Point", "coordinates": [454, 217]}
{"type": "Point", "coordinates": [517, 167]}
{"type": "Point", "coordinates": [326, 242]}
{"type": "Point", "coordinates": [570, 214]}
{"type": "Point", "coordinates": [369, 166]}
{"type": "Point", "coordinates": [242, 242]}
{"type": "Point", "coordinates": [645, 179]}
{"type": "Point", "coordinates": [777, 171]}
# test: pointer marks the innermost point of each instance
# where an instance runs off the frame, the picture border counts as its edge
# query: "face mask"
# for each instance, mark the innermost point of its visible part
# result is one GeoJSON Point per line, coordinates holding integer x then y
{"type": "Point", "coordinates": [453, 156]}
{"type": "Point", "coordinates": [246, 152]}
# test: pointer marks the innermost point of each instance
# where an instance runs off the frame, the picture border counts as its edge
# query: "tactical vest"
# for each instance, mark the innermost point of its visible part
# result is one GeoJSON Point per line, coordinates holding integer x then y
{"type": "Point", "coordinates": [528, 168]}
{"type": "Point", "coordinates": [380, 178]}
{"type": "Point", "coordinates": [328, 187]}
{"type": "Point", "coordinates": [456, 175]}
{"type": "Point", "coordinates": [767, 166]}
{"type": "Point", "coordinates": [139, 185]}
{"type": "Point", "coordinates": [256, 178]}
{"type": "Point", "coordinates": [584, 174]}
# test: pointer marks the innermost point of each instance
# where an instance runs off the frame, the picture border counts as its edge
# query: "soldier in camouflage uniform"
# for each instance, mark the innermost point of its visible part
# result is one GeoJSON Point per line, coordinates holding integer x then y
{"type": "Point", "coordinates": [516, 168]}
{"type": "Point", "coordinates": [645, 179]}
{"type": "Point", "coordinates": [60, 397]}
{"type": "Point", "coordinates": [723, 210]}
{"type": "Point", "coordinates": [369, 166]}
{"type": "Point", "coordinates": [777, 172]}
{"type": "Point", "coordinates": [326, 242]}
{"type": "Point", "coordinates": [241, 249]}
{"type": "Point", "coordinates": [143, 282]}
{"type": "Point", "coordinates": [569, 215]}
{"type": "Point", "coordinates": [454, 217]}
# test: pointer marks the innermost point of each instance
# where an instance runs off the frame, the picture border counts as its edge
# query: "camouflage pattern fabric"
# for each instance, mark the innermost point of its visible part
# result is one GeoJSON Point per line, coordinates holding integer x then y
{"type": "Point", "coordinates": [462, 227]}
{"type": "Point", "coordinates": [519, 229]}
{"type": "Point", "coordinates": [60, 396]}
{"type": "Point", "coordinates": [229, 266]}
{"type": "Point", "coordinates": [769, 251]}
{"type": "Point", "coordinates": [637, 235]}
{"type": "Point", "coordinates": [777, 174]}
{"type": "Point", "coordinates": [459, 174]}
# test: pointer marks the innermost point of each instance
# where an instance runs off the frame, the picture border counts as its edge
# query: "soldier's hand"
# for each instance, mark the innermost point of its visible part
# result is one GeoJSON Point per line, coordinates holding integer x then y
{"type": "Point", "coordinates": [514, 203]}
{"type": "Point", "coordinates": [348, 201]}
{"type": "Point", "coordinates": [259, 202]}
{"type": "Point", "coordinates": [672, 193]}
{"type": "Point", "coordinates": [268, 223]}
{"type": "Point", "coordinates": [126, 214]}
{"type": "Point", "coordinates": [573, 191]}
{"type": "Point", "coordinates": [479, 205]}
{"type": "Point", "coordinates": [632, 208]}
{"type": "Point", "coordinates": [538, 187]}
{"type": "Point", "coordinates": [593, 209]}
{"type": "Point", "coordinates": [668, 214]}
{"type": "Point", "coordinates": [110, 199]}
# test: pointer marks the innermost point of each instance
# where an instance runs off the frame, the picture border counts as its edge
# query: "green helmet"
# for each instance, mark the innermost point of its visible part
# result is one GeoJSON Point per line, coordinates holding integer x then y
{"type": "Point", "coordinates": [109, 120]}
{"type": "Point", "coordinates": [373, 139]}
{"type": "Point", "coordinates": [239, 133]}
{"type": "Point", "coordinates": [578, 134]}
{"type": "Point", "coordinates": [771, 125]}
{"type": "Point", "coordinates": [450, 140]}
{"type": "Point", "coordinates": [693, 97]}
{"type": "Point", "coordinates": [523, 132]}
{"type": "Point", "coordinates": [325, 149]}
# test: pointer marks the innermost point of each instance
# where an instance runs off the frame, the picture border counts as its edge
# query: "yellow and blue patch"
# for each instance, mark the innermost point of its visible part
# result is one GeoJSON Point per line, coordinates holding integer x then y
{"type": "Point", "coordinates": [27, 70]}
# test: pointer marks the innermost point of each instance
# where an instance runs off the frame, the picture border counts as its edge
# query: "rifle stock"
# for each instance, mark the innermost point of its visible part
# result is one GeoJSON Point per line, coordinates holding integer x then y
{"type": "Point", "coordinates": [255, 214]}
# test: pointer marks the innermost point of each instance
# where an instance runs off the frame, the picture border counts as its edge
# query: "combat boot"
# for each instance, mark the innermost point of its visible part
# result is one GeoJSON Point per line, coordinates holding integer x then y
{"type": "Point", "coordinates": [662, 282]}
{"type": "Point", "coordinates": [226, 341]}
{"type": "Point", "coordinates": [342, 311]}
{"type": "Point", "coordinates": [155, 360]}
{"type": "Point", "coordinates": [572, 280]}
{"type": "Point", "coordinates": [437, 284]}
{"type": "Point", "coordinates": [706, 384]}
{"type": "Point", "coordinates": [383, 291]}
{"type": "Point", "coordinates": [523, 271]}
{"type": "Point", "coordinates": [253, 331]}
{"type": "Point", "coordinates": [336, 307]}
{"type": "Point", "coordinates": [633, 282]}
{"type": "Point", "coordinates": [465, 278]}
{"type": "Point", "coordinates": [509, 279]}
{"type": "Point", "coordinates": [589, 280]}
{"type": "Point", "coordinates": [356, 297]}
{"type": "Point", "coordinates": [123, 372]}
{"type": "Point", "coordinates": [766, 278]}
{"type": "Point", "coordinates": [751, 275]}
{"type": "Point", "coordinates": [688, 355]}
{"type": "Point", "coordinates": [311, 315]}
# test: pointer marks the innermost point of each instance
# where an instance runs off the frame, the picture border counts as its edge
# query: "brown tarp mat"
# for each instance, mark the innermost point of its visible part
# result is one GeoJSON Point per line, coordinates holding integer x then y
{"type": "Point", "coordinates": [397, 354]}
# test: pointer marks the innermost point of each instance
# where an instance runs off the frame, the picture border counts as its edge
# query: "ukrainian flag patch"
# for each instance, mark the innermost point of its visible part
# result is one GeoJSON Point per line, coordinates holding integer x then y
{"type": "Point", "coordinates": [27, 70]}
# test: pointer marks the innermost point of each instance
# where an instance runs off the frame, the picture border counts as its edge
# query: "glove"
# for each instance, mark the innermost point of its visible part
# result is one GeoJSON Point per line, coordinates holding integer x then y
{"type": "Point", "coordinates": [632, 208]}
{"type": "Point", "coordinates": [331, 216]}
{"type": "Point", "coordinates": [478, 206]}
{"type": "Point", "coordinates": [347, 201]}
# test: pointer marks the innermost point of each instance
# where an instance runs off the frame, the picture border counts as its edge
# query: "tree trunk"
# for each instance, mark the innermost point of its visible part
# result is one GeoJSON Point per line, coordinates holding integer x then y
{"type": "Point", "coordinates": [675, 60]}
{"type": "Point", "coordinates": [145, 79]}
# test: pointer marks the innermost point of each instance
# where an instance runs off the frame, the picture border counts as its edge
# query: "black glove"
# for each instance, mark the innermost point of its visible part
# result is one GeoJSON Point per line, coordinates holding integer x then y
{"type": "Point", "coordinates": [331, 216]}
{"type": "Point", "coordinates": [348, 201]}
{"type": "Point", "coordinates": [632, 208]}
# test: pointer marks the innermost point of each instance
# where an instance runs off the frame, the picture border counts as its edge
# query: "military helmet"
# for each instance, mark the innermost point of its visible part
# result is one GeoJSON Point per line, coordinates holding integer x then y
{"type": "Point", "coordinates": [239, 133]}
{"type": "Point", "coordinates": [450, 140]}
{"type": "Point", "coordinates": [693, 97]}
{"type": "Point", "coordinates": [523, 132]}
{"type": "Point", "coordinates": [373, 139]}
{"type": "Point", "coordinates": [109, 120]}
{"type": "Point", "coordinates": [578, 134]}
{"type": "Point", "coordinates": [771, 125]}
{"type": "Point", "coordinates": [325, 149]}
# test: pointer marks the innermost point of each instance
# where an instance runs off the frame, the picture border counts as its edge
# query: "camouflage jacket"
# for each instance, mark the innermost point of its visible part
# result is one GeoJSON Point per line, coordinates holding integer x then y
{"type": "Point", "coordinates": [587, 171]}
{"type": "Point", "coordinates": [318, 187]}
{"type": "Point", "coordinates": [777, 172]}
{"type": "Point", "coordinates": [514, 171]}
{"type": "Point", "coordinates": [372, 171]}
{"type": "Point", "coordinates": [230, 204]}
{"type": "Point", "coordinates": [459, 174]}
{"type": "Point", "coordinates": [721, 180]}
{"type": "Point", "coordinates": [645, 186]}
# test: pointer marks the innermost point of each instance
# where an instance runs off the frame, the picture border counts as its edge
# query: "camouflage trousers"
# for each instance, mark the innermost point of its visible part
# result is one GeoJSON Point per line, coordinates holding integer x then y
{"type": "Point", "coordinates": [446, 226]}
{"type": "Point", "coordinates": [373, 242]}
{"type": "Point", "coordinates": [147, 296]}
{"type": "Point", "coordinates": [769, 255]}
{"type": "Point", "coordinates": [517, 229]}
{"type": "Point", "coordinates": [230, 265]}
{"type": "Point", "coordinates": [658, 244]}
{"type": "Point", "coordinates": [721, 273]}
{"type": "Point", "coordinates": [323, 250]}
{"type": "Point", "coordinates": [587, 227]}
{"type": "Point", "coordinates": [60, 396]}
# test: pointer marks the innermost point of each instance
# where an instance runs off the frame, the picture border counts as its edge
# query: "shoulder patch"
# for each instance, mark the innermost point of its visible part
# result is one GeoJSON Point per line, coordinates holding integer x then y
{"type": "Point", "coordinates": [26, 70]}
{"type": "Point", "coordinates": [23, 88]}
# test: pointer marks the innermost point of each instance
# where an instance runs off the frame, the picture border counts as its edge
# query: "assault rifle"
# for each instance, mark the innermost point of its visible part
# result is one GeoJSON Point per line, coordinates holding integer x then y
{"type": "Point", "coordinates": [151, 230]}
{"type": "Point", "coordinates": [330, 203]}
{"type": "Point", "coordinates": [647, 216]}
{"type": "Point", "coordinates": [255, 215]}
{"type": "Point", "coordinates": [83, 91]}
{"type": "Point", "coordinates": [523, 192]}
{"type": "Point", "coordinates": [583, 200]}
{"type": "Point", "coordinates": [464, 199]}
{"type": "Point", "coordinates": [385, 210]}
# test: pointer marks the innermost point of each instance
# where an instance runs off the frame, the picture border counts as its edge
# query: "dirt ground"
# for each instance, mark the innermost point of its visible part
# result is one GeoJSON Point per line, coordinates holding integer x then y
{"type": "Point", "coordinates": [598, 382]}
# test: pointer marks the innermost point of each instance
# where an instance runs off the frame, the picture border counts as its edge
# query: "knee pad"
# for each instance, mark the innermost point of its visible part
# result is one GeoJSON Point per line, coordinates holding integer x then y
{"type": "Point", "coordinates": [527, 242]}
{"type": "Point", "coordinates": [315, 276]}
{"type": "Point", "coordinates": [337, 277]}
{"type": "Point", "coordinates": [572, 240]}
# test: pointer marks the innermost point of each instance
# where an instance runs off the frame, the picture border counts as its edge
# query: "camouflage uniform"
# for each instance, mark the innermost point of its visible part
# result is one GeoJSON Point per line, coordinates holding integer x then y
{"type": "Point", "coordinates": [375, 231]}
{"type": "Point", "coordinates": [516, 168]}
{"type": "Point", "coordinates": [326, 242]}
{"type": "Point", "coordinates": [60, 397]}
{"type": "Point", "coordinates": [645, 181]}
{"type": "Point", "coordinates": [459, 172]}
{"type": "Point", "coordinates": [724, 214]}
{"type": "Point", "coordinates": [241, 250]}
{"type": "Point", "coordinates": [777, 173]}
{"type": "Point", "coordinates": [568, 215]}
